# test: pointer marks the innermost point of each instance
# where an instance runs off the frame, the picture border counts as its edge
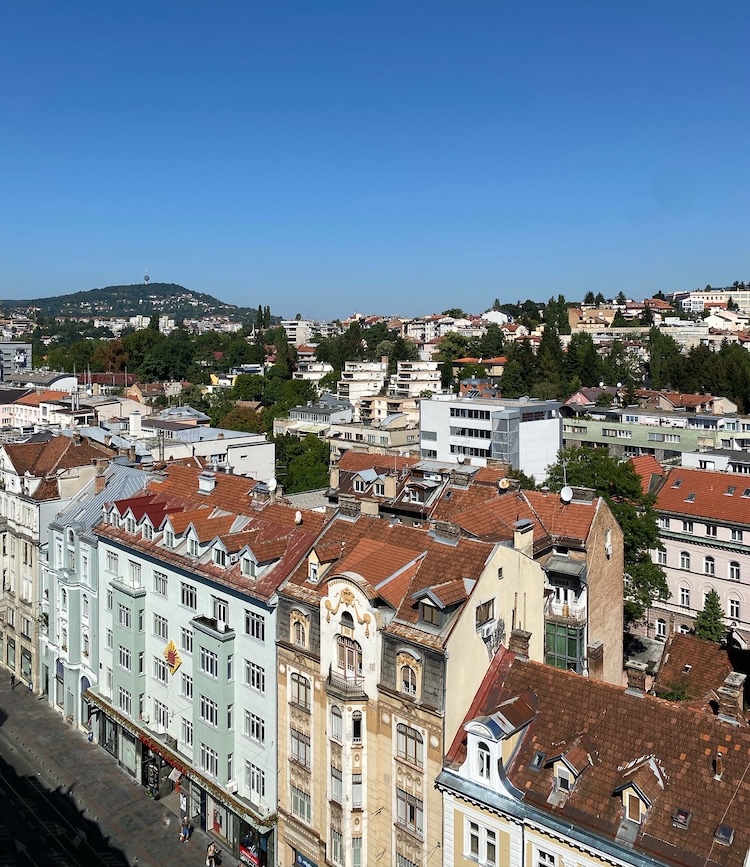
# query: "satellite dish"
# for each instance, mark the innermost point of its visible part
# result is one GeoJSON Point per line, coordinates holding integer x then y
{"type": "Point", "coordinates": [601, 385]}
{"type": "Point", "coordinates": [298, 517]}
{"type": "Point", "coordinates": [461, 458]}
{"type": "Point", "coordinates": [272, 485]}
{"type": "Point", "coordinates": [504, 484]}
{"type": "Point", "coordinates": [566, 494]}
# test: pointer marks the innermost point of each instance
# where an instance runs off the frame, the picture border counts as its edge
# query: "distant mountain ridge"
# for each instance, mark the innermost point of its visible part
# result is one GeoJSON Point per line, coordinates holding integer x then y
{"type": "Point", "coordinates": [123, 301]}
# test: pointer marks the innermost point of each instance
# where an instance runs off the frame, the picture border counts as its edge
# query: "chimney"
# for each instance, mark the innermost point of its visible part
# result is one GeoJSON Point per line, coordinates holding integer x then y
{"type": "Point", "coordinates": [206, 482]}
{"type": "Point", "coordinates": [445, 531]}
{"type": "Point", "coordinates": [261, 493]}
{"type": "Point", "coordinates": [595, 655]}
{"type": "Point", "coordinates": [636, 672]}
{"type": "Point", "coordinates": [523, 537]}
{"type": "Point", "coordinates": [718, 764]}
{"type": "Point", "coordinates": [519, 643]}
{"type": "Point", "coordinates": [731, 698]}
{"type": "Point", "coordinates": [134, 425]}
{"type": "Point", "coordinates": [349, 506]}
{"type": "Point", "coordinates": [100, 482]}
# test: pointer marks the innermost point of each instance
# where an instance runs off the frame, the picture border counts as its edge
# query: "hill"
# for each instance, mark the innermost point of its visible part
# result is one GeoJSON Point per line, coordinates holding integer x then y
{"type": "Point", "coordinates": [162, 298]}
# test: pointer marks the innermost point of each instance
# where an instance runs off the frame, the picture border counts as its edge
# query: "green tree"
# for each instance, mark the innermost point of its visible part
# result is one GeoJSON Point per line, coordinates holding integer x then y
{"type": "Point", "coordinates": [512, 382]}
{"type": "Point", "coordinates": [582, 360]}
{"type": "Point", "coordinates": [709, 623]}
{"type": "Point", "coordinates": [455, 313]}
{"type": "Point", "coordinates": [617, 482]}
{"type": "Point", "coordinates": [589, 299]}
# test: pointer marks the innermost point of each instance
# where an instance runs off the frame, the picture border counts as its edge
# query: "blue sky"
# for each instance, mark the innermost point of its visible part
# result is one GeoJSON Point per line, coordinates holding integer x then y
{"type": "Point", "coordinates": [326, 157]}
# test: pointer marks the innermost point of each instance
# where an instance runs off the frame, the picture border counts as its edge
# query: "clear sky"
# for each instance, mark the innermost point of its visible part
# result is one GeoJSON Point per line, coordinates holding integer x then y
{"type": "Point", "coordinates": [393, 157]}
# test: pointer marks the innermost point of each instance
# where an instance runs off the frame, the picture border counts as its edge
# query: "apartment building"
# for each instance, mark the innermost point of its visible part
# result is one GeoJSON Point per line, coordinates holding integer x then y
{"type": "Point", "coordinates": [396, 434]}
{"type": "Point", "coordinates": [186, 697]}
{"type": "Point", "coordinates": [15, 359]}
{"type": "Point", "coordinates": [703, 299]}
{"type": "Point", "coordinates": [37, 479]}
{"type": "Point", "coordinates": [704, 526]}
{"type": "Point", "coordinates": [314, 418]}
{"type": "Point", "coordinates": [70, 593]}
{"type": "Point", "coordinates": [550, 769]}
{"type": "Point", "coordinates": [361, 379]}
{"type": "Point", "coordinates": [524, 433]}
{"type": "Point", "coordinates": [414, 378]}
{"type": "Point", "coordinates": [384, 635]}
{"type": "Point", "coordinates": [312, 371]}
{"type": "Point", "coordinates": [377, 407]}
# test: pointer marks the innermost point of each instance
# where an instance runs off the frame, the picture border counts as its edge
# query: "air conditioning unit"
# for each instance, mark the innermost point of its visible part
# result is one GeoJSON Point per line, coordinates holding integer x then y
{"type": "Point", "coordinates": [145, 718]}
{"type": "Point", "coordinates": [608, 549]}
{"type": "Point", "coordinates": [487, 630]}
{"type": "Point", "coordinates": [232, 787]}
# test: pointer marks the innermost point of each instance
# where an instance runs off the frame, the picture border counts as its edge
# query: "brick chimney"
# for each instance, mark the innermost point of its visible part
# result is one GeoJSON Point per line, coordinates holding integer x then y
{"type": "Point", "coordinates": [731, 697]}
{"type": "Point", "coordinates": [523, 537]}
{"type": "Point", "coordinates": [349, 506]}
{"type": "Point", "coordinates": [519, 643]}
{"type": "Point", "coordinates": [445, 531]}
{"type": "Point", "coordinates": [595, 655]}
{"type": "Point", "coordinates": [636, 672]}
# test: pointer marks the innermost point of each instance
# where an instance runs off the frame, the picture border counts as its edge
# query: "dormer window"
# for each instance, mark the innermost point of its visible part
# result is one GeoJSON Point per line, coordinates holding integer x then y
{"type": "Point", "coordinates": [248, 567]}
{"type": "Point", "coordinates": [148, 532]}
{"type": "Point", "coordinates": [168, 539]}
{"type": "Point", "coordinates": [634, 808]}
{"type": "Point", "coordinates": [220, 557]}
{"type": "Point", "coordinates": [359, 486]}
{"type": "Point", "coordinates": [193, 547]}
{"type": "Point", "coordinates": [130, 526]}
{"type": "Point", "coordinates": [312, 571]}
{"type": "Point", "coordinates": [429, 614]}
{"type": "Point", "coordinates": [563, 779]}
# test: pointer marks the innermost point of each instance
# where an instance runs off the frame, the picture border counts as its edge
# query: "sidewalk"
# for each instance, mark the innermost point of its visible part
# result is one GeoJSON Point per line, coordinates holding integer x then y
{"type": "Point", "coordinates": [145, 830]}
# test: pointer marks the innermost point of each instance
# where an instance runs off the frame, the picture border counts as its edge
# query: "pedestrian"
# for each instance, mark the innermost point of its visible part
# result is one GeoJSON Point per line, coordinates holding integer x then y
{"type": "Point", "coordinates": [213, 857]}
{"type": "Point", "coordinates": [184, 830]}
{"type": "Point", "coordinates": [12, 681]}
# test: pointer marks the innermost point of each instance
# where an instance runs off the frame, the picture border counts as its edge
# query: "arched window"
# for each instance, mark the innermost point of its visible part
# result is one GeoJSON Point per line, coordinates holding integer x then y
{"type": "Point", "coordinates": [409, 744]}
{"type": "Point", "coordinates": [684, 629]}
{"type": "Point", "coordinates": [684, 596]}
{"type": "Point", "coordinates": [483, 760]}
{"type": "Point", "coordinates": [684, 560]}
{"type": "Point", "coordinates": [63, 599]}
{"type": "Point", "coordinates": [300, 690]}
{"type": "Point", "coordinates": [661, 628]}
{"type": "Point", "coordinates": [337, 723]}
{"type": "Point", "coordinates": [734, 571]}
{"type": "Point", "coordinates": [349, 656]}
{"type": "Point", "coordinates": [299, 634]}
{"type": "Point", "coordinates": [71, 537]}
{"type": "Point", "coordinates": [347, 621]}
{"type": "Point", "coordinates": [709, 566]}
{"type": "Point", "coordinates": [85, 605]}
{"type": "Point", "coordinates": [408, 680]}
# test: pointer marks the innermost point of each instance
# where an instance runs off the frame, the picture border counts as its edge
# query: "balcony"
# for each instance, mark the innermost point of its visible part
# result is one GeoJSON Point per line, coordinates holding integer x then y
{"type": "Point", "coordinates": [564, 612]}
{"type": "Point", "coordinates": [346, 686]}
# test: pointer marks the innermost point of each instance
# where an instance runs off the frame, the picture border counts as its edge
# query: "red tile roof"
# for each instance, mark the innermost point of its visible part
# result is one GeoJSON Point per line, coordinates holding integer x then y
{"type": "Point", "coordinates": [646, 467]}
{"type": "Point", "coordinates": [705, 494]}
{"type": "Point", "coordinates": [707, 665]}
{"type": "Point", "coordinates": [59, 453]}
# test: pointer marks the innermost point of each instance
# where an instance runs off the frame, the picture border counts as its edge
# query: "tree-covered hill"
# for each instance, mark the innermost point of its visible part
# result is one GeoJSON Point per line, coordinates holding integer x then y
{"type": "Point", "coordinates": [160, 298]}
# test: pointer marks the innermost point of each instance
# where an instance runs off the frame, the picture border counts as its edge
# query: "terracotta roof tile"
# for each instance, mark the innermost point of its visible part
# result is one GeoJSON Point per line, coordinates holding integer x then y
{"type": "Point", "coordinates": [705, 494]}
{"type": "Point", "coordinates": [646, 467]}
{"type": "Point", "coordinates": [707, 663]}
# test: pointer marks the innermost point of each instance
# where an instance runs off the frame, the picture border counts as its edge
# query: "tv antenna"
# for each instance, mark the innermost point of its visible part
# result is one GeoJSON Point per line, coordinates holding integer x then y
{"type": "Point", "coordinates": [146, 278]}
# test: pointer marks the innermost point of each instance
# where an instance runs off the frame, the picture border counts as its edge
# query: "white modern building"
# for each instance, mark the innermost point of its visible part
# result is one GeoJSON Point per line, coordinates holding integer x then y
{"type": "Point", "coordinates": [413, 378]}
{"type": "Point", "coordinates": [525, 433]}
{"type": "Point", "coordinates": [362, 379]}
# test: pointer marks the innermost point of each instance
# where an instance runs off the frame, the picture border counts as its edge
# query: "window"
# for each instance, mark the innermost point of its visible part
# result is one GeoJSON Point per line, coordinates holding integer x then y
{"type": "Point", "coordinates": [85, 601]}
{"type": "Point", "coordinates": [562, 778]}
{"type": "Point", "coordinates": [148, 532]}
{"type": "Point", "coordinates": [544, 859]}
{"type": "Point", "coordinates": [109, 639]}
{"type": "Point", "coordinates": [255, 625]}
{"type": "Point", "coordinates": [169, 540]}
{"type": "Point", "coordinates": [379, 489]}
{"type": "Point", "coordinates": [300, 748]}
{"type": "Point", "coordinates": [220, 557]}
{"type": "Point", "coordinates": [408, 680]}
{"type": "Point", "coordinates": [161, 672]}
{"type": "Point", "coordinates": [124, 701]}
{"type": "Point", "coordinates": [255, 676]}
{"type": "Point", "coordinates": [186, 686]}
{"type": "Point", "coordinates": [633, 807]}
{"type": "Point", "coordinates": [301, 805]}
{"type": "Point", "coordinates": [112, 562]}
{"type": "Point", "coordinates": [409, 744]}
{"type": "Point", "coordinates": [402, 860]}
{"type": "Point", "coordinates": [734, 571]}
{"type": "Point", "coordinates": [160, 583]}
{"type": "Point", "coordinates": [161, 627]}
{"type": "Point", "coordinates": [687, 526]}
{"type": "Point", "coordinates": [248, 567]}
{"type": "Point", "coordinates": [709, 566]}
{"type": "Point", "coordinates": [485, 612]}
{"type": "Point", "coordinates": [186, 640]}
{"type": "Point", "coordinates": [359, 486]}
{"type": "Point", "coordinates": [685, 597]}
{"type": "Point", "coordinates": [736, 534]}
{"type": "Point", "coordinates": [209, 761]}
{"type": "Point", "coordinates": [661, 628]}
{"type": "Point", "coordinates": [356, 790]}
{"type": "Point", "coordinates": [483, 760]}
{"type": "Point", "coordinates": [357, 727]}
{"type": "Point", "coordinates": [193, 547]}
{"type": "Point", "coordinates": [356, 852]}
{"type": "Point", "coordinates": [300, 690]}
{"type": "Point", "coordinates": [711, 530]}
{"type": "Point", "coordinates": [684, 560]}
{"type": "Point", "coordinates": [230, 717]}
{"type": "Point", "coordinates": [409, 812]}
{"type": "Point", "coordinates": [349, 656]}
{"type": "Point", "coordinates": [429, 614]}
{"type": "Point", "coordinates": [255, 727]}
{"type": "Point", "coordinates": [124, 657]}
{"type": "Point", "coordinates": [298, 633]}
{"type": "Point", "coordinates": [661, 558]}
{"type": "Point", "coordinates": [135, 573]}
{"type": "Point", "coordinates": [663, 523]}
{"type": "Point", "coordinates": [187, 732]}
{"type": "Point", "coordinates": [337, 724]}
{"type": "Point", "coordinates": [256, 781]}
{"type": "Point", "coordinates": [188, 596]}
{"type": "Point", "coordinates": [209, 662]}
{"type": "Point", "coordinates": [209, 711]}
{"type": "Point", "coordinates": [734, 608]}
{"type": "Point", "coordinates": [337, 847]}
{"type": "Point", "coordinates": [312, 572]}
{"type": "Point", "coordinates": [337, 787]}
{"type": "Point", "coordinates": [110, 600]}
{"type": "Point", "coordinates": [161, 714]}
{"type": "Point", "coordinates": [123, 616]}
{"type": "Point", "coordinates": [221, 610]}
{"type": "Point", "coordinates": [230, 668]}
{"type": "Point", "coordinates": [480, 844]}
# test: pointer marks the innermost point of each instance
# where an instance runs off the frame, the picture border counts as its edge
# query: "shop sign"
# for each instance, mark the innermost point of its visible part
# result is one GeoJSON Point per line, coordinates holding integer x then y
{"type": "Point", "coordinates": [302, 860]}
{"type": "Point", "coordinates": [249, 855]}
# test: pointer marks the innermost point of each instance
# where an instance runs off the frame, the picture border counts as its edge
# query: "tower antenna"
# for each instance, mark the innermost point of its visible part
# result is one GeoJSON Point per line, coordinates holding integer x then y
{"type": "Point", "coordinates": [146, 278]}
